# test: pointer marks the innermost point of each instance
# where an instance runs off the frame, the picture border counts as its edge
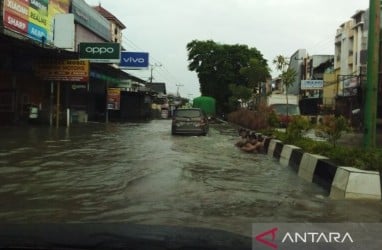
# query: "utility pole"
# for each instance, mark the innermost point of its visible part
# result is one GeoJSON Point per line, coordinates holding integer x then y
{"type": "Point", "coordinates": [370, 109]}
{"type": "Point", "coordinates": [152, 68]}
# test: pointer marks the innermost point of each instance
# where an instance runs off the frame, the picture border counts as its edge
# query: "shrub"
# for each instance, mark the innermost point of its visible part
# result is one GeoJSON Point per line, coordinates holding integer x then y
{"type": "Point", "coordinates": [296, 127]}
{"type": "Point", "coordinates": [333, 127]}
{"type": "Point", "coordinates": [255, 120]}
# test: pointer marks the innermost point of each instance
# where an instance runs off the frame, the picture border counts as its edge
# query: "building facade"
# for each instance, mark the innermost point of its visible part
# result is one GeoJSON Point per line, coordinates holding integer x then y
{"type": "Point", "coordinates": [35, 73]}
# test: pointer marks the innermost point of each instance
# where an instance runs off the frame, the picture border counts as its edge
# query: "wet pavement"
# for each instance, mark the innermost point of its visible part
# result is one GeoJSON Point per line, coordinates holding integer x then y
{"type": "Point", "coordinates": [140, 173]}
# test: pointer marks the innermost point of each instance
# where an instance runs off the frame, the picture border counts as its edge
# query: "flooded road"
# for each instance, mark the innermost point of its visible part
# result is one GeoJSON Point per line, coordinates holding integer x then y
{"type": "Point", "coordinates": [140, 173]}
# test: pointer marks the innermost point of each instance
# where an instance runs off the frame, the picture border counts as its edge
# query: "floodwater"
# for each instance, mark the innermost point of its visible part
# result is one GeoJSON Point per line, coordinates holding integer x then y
{"type": "Point", "coordinates": [140, 173]}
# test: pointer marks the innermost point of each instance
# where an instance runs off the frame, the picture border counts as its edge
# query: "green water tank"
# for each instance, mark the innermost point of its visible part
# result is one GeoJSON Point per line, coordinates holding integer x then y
{"type": "Point", "coordinates": [206, 103]}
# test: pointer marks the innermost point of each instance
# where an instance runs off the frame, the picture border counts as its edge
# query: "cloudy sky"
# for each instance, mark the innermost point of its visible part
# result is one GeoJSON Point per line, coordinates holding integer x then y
{"type": "Point", "coordinates": [275, 27]}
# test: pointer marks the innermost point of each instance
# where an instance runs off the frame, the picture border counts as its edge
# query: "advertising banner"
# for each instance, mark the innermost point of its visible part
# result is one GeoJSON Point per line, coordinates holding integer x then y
{"type": "Point", "coordinates": [33, 18]}
{"type": "Point", "coordinates": [100, 52]}
{"type": "Point", "coordinates": [113, 98]}
{"type": "Point", "coordinates": [134, 60]}
{"type": "Point", "coordinates": [68, 70]}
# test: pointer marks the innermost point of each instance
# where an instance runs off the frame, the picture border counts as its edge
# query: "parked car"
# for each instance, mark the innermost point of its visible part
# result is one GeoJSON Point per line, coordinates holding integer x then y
{"type": "Point", "coordinates": [281, 112]}
{"type": "Point", "coordinates": [189, 121]}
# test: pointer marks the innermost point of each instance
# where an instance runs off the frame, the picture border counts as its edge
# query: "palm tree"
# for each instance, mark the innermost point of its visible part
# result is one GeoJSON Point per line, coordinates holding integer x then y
{"type": "Point", "coordinates": [280, 62]}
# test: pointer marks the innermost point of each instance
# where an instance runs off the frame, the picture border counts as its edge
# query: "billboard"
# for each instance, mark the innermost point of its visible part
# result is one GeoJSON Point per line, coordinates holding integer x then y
{"type": "Point", "coordinates": [67, 70]}
{"type": "Point", "coordinates": [33, 18]}
{"type": "Point", "coordinates": [100, 52]}
{"type": "Point", "coordinates": [134, 60]}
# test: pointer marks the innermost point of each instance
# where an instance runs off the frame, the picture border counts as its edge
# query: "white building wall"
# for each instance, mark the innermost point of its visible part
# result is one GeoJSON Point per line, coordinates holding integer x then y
{"type": "Point", "coordinates": [296, 62]}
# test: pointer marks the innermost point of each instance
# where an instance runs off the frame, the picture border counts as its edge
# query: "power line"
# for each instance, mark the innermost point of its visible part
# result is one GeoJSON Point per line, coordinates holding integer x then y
{"type": "Point", "coordinates": [163, 71]}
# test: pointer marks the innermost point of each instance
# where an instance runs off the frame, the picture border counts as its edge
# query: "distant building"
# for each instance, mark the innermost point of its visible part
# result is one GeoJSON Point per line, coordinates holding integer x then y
{"type": "Point", "coordinates": [296, 62]}
{"type": "Point", "coordinates": [351, 45]}
{"type": "Point", "coordinates": [350, 64]}
{"type": "Point", "coordinates": [158, 87]}
{"type": "Point", "coordinates": [116, 26]}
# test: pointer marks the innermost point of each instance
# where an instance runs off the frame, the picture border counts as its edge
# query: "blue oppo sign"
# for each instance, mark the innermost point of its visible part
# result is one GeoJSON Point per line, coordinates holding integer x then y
{"type": "Point", "coordinates": [134, 60]}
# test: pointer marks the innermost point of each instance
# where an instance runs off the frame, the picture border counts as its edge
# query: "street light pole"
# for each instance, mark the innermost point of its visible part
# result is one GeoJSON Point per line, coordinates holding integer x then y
{"type": "Point", "coordinates": [370, 109]}
{"type": "Point", "coordinates": [152, 68]}
{"type": "Point", "coordinates": [177, 90]}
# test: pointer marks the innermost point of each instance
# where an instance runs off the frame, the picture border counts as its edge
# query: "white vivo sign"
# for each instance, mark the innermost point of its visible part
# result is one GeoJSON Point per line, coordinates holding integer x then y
{"type": "Point", "coordinates": [312, 84]}
{"type": "Point", "coordinates": [134, 60]}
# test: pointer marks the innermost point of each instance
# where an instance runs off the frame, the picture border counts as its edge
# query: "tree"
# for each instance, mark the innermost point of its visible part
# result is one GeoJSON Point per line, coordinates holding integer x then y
{"type": "Point", "coordinates": [219, 65]}
{"type": "Point", "coordinates": [255, 74]}
{"type": "Point", "coordinates": [288, 76]}
{"type": "Point", "coordinates": [280, 62]}
{"type": "Point", "coordinates": [239, 92]}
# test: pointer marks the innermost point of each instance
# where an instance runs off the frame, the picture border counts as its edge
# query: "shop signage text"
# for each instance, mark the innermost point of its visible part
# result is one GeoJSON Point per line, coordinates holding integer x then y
{"type": "Point", "coordinates": [134, 60]}
{"type": "Point", "coordinates": [312, 84]}
{"type": "Point", "coordinates": [33, 18]}
{"type": "Point", "coordinates": [68, 70]}
{"type": "Point", "coordinates": [100, 52]}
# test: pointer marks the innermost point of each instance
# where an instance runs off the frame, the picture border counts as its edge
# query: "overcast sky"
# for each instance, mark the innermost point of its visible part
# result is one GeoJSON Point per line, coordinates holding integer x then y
{"type": "Point", "coordinates": [275, 27]}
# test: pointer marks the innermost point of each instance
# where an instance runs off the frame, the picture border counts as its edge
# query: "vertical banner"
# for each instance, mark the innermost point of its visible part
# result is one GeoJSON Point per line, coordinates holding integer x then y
{"type": "Point", "coordinates": [113, 98]}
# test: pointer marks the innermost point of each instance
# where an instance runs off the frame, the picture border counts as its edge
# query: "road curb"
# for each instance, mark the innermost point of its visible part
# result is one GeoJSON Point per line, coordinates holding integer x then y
{"type": "Point", "coordinates": [339, 182]}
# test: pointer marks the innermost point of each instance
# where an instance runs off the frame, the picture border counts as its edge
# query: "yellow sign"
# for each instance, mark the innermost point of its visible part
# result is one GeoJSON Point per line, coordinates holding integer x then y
{"type": "Point", "coordinates": [38, 18]}
{"type": "Point", "coordinates": [68, 70]}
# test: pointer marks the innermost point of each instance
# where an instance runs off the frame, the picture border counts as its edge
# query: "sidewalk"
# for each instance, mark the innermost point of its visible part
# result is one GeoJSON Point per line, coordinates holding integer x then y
{"type": "Point", "coordinates": [356, 139]}
{"type": "Point", "coordinates": [348, 139]}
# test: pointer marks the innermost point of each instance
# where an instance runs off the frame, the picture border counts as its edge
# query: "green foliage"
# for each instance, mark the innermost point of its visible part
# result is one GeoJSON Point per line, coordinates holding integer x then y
{"type": "Point", "coordinates": [333, 127]}
{"type": "Point", "coordinates": [219, 65]}
{"type": "Point", "coordinates": [288, 77]}
{"type": "Point", "coordinates": [296, 127]}
{"type": "Point", "coordinates": [255, 73]}
{"type": "Point", "coordinates": [240, 92]}
{"type": "Point", "coordinates": [273, 119]}
{"type": "Point", "coordinates": [280, 62]}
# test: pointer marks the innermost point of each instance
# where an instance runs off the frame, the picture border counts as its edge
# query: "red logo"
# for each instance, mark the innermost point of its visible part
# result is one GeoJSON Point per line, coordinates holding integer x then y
{"type": "Point", "coordinates": [262, 238]}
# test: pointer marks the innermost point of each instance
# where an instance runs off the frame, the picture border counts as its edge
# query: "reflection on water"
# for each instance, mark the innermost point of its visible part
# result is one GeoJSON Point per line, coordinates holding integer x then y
{"type": "Point", "coordinates": [140, 173]}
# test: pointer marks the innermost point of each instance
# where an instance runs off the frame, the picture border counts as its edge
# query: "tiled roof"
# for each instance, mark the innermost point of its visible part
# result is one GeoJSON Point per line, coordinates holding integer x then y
{"type": "Point", "coordinates": [106, 14]}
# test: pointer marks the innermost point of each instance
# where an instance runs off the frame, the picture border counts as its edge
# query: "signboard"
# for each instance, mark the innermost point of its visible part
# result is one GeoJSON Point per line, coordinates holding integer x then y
{"type": "Point", "coordinates": [113, 98]}
{"type": "Point", "coordinates": [68, 70]}
{"type": "Point", "coordinates": [33, 18]}
{"type": "Point", "coordinates": [312, 84]}
{"type": "Point", "coordinates": [134, 60]}
{"type": "Point", "coordinates": [100, 52]}
{"type": "Point", "coordinates": [64, 31]}
{"type": "Point", "coordinates": [349, 84]}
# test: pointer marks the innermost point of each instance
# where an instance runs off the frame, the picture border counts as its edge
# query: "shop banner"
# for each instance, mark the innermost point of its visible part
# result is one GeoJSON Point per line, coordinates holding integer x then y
{"type": "Point", "coordinates": [33, 18]}
{"type": "Point", "coordinates": [68, 70]}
